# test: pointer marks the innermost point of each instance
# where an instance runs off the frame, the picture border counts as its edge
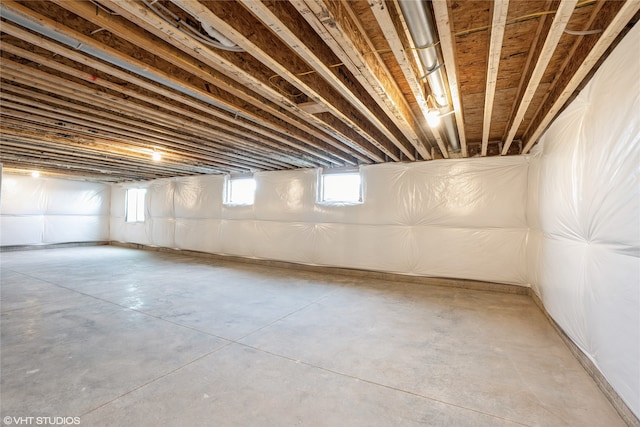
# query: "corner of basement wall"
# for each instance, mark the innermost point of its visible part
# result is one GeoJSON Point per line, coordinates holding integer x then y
{"type": "Point", "coordinates": [534, 232]}
{"type": "Point", "coordinates": [584, 240]}
{"type": "Point", "coordinates": [50, 211]}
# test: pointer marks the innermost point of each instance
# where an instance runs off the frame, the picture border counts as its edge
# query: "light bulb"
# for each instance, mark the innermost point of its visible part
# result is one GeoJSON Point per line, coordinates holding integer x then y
{"type": "Point", "coordinates": [156, 156]}
{"type": "Point", "coordinates": [35, 174]}
{"type": "Point", "coordinates": [433, 118]}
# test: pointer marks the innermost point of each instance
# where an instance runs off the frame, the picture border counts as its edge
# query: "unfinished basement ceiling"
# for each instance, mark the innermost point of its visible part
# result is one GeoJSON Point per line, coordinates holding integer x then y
{"type": "Point", "coordinates": [94, 88]}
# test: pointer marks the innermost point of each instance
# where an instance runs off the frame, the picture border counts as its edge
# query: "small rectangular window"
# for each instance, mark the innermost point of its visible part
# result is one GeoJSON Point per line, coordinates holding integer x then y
{"type": "Point", "coordinates": [240, 191]}
{"type": "Point", "coordinates": [340, 187]}
{"type": "Point", "coordinates": [135, 205]}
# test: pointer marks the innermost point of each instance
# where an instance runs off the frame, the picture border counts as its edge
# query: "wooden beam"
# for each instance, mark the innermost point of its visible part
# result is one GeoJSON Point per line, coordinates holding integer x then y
{"type": "Point", "coordinates": [189, 91]}
{"type": "Point", "coordinates": [257, 48]}
{"type": "Point", "coordinates": [313, 107]}
{"type": "Point", "coordinates": [535, 48]}
{"type": "Point", "coordinates": [568, 67]}
{"type": "Point", "coordinates": [561, 18]}
{"type": "Point", "coordinates": [103, 151]}
{"type": "Point", "coordinates": [445, 33]}
{"type": "Point", "coordinates": [101, 66]}
{"type": "Point", "coordinates": [125, 107]}
{"type": "Point", "coordinates": [89, 109]}
{"type": "Point", "coordinates": [177, 146]}
{"type": "Point", "coordinates": [498, 24]}
{"type": "Point", "coordinates": [11, 167]}
{"type": "Point", "coordinates": [142, 16]}
{"type": "Point", "coordinates": [109, 147]}
{"type": "Point", "coordinates": [67, 166]}
{"type": "Point", "coordinates": [278, 148]}
{"type": "Point", "coordinates": [624, 16]}
{"type": "Point", "coordinates": [402, 119]}
{"type": "Point", "coordinates": [51, 159]}
{"type": "Point", "coordinates": [349, 43]}
{"type": "Point", "coordinates": [71, 90]}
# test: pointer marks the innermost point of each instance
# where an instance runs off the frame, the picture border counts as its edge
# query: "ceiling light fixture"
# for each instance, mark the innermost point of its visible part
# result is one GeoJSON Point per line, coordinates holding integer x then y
{"type": "Point", "coordinates": [156, 156]}
{"type": "Point", "coordinates": [35, 174]}
{"type": "Point", "coordinates": [433, 118]}
{"type": "Point", "coordinates": [433, 113]}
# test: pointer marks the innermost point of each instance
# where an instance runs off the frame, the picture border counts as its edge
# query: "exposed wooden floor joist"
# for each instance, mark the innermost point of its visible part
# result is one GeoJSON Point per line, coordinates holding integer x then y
{"type": "Point", "coordinates": [298, 84]}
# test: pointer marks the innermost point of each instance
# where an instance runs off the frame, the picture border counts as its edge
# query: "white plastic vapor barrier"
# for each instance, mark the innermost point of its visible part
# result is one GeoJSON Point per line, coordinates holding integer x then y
{"type": "Point", "coordinates": [584, 251]}
{"type": "Point", "coordinates": [451, 218]}
{"type": "Point", "coordinates": [46, 210]}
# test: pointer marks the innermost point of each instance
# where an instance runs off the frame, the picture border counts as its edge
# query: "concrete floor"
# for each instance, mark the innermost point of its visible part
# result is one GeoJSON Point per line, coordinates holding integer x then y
{"type": "Point", "coordinates": [121, 337]}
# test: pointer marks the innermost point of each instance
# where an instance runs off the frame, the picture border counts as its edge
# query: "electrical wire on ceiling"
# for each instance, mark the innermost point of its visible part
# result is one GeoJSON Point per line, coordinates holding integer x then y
{"type": "Point", "coordinates": [516, 20]}
{"type": "Point", "coordinates": [282, 91]}
{"type": "Point", "coordinates": [531, 16]}
{"type": "Point", "coordinates": [106, 10]}
{"type": "Point", "coordinates": [171, 18]}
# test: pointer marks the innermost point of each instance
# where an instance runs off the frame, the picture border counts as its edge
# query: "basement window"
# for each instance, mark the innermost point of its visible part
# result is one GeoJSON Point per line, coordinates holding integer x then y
{"type": "Point", "coordinates": [340, 187]}
{"type": "Point", "coordinates": [135, 205]}
{"type": "Point", "coordinates": [240, 190]}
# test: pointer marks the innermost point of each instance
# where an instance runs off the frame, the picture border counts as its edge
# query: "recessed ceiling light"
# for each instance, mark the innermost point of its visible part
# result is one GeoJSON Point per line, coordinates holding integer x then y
{"type": "Point", "coordinates": [156, 156]}
{"type": "Point", "coordinates": [35, 174]}
{"type": "Point", "coordinates": [433, 118]}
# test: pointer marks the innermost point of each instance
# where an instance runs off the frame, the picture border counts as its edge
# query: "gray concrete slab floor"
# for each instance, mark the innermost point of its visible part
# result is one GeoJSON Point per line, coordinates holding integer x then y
{"type": "Point", "coordinates": [123, 337]}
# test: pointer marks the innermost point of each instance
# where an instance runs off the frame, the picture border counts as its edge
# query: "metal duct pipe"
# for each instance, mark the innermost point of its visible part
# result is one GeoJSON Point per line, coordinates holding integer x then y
{"type": "Point", "coordinates": [420, 24]}
{"type": "Point", "coordinates": [34, 24]}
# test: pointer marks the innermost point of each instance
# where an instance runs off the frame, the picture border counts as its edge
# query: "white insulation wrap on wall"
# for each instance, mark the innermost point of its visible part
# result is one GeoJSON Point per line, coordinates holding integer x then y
{"type": "Point", "coordinates": [584, 252]}
{"type": "Point", "coordinates": [451, 218]}
{"type": "Point", "coordinates": [46, 210]}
